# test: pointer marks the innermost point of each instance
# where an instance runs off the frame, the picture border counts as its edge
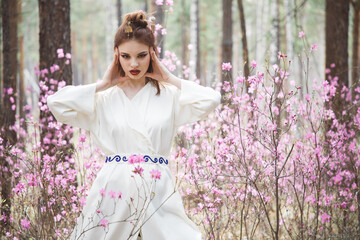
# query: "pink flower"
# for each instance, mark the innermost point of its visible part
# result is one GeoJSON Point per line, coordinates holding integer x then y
{"type": "Point", "coordinates": [301, 34]}
{"type": "Point", "coordinates": [25, 223]}
{"type": "Point", "coordinates": [103, 223]}
{"type": "Point", "coordinates": [56, 67]}
{"type": "Point", "coordinates": [10, 91]}
{"type": "Point", "coordinates": [169, 2]}
{"type": "Point", "coordinates": [325, 218]}
{"type": "Point", "coordinates": [136, 159]}
{"type": "Point", "coordinates": [158, 27]}
{"type": "Point", "coordinates": [57, 218]}
{"type": "Point", "coordinates": [253, 64]}
{"type": "Point", "coordinates": [82, 201]}
{"type": "Point", "coordinates": [68, 55]}
{"type": "Point", "coordinates": [138, 170]}
{"type": "Point", "coordinates": [102, 192]}
{"type": "Point", "coordinates": [119, 195]}
{"type": "Point", "coordinates": [59, 50]}
{"type": "Point", "coordinates": [314, 47]}
{"type": "Point", "coordinates": [337, 179]}
{"type": "Point", "coordinates": [156, 174]}
{"type": "Point", "coordinates": [159, 2]}
{"type": "Point", "coordinates": [332, 65]}
{"type": "Point", "coordinates": [82, 138]}
{"type": "Point", "coordinates": [163, 31]}
{"type": "Point", "coordinates": [226, 66]}
{"type": "Point", "coordinates": [61, 55]}
{"type": "Point", "coordinates": [281, 55]}
{"type": "Point", "coordinates": [112, 194]}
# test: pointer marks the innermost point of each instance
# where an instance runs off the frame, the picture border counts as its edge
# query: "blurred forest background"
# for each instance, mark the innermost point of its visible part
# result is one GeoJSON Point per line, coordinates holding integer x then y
{"type": "Point", "coordinates": [271, 26]}
{"type": "Point", "coordinates": [196, 32]}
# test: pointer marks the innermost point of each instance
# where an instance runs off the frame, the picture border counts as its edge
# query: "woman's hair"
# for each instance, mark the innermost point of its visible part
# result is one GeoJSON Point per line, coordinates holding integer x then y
{"type": "Point", "coordinates": [136, 27]}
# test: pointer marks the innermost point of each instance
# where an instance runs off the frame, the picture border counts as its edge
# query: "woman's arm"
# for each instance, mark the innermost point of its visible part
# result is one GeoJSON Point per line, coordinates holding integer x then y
{"type": "Point", "coordinates": [193, 101]}
{"type": "Point", "coordinates": [112, 76]}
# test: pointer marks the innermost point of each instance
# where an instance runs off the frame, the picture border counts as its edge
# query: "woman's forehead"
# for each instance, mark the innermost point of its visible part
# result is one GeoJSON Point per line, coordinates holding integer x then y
{"type": "Point", "coordinates": [133, 47]}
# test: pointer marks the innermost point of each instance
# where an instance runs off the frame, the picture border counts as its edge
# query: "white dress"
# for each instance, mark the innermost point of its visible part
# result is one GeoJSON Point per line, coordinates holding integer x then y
{"type": "Point", "coordinates": [145, 125]}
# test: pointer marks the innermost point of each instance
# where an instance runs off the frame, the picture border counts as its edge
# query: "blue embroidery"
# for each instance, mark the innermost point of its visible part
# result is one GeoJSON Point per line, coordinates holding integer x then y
{"type": "Point", "coordinates": [161, 160]}
{"type": "Point", "coordinates": [147, 158]}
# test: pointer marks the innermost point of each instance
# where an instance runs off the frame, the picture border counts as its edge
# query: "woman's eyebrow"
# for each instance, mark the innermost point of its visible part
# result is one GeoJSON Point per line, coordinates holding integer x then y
{"type": "Point", "coordinates": [138, 53]}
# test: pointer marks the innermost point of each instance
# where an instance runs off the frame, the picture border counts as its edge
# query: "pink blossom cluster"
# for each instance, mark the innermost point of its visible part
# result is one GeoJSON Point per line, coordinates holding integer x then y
{"type": "Point", "coordinates": [226, 66]}
{"type": "Point", "coordinates": [45, 179]}
{"type": "Point", "coordinates": [242, 160]}
{"type": "Point", "coordinates": [136, 159]}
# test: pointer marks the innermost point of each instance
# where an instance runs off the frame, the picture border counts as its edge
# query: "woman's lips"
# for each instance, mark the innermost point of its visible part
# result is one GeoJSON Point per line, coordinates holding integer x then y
{"type": "Point", "coordinates": [135, 72]}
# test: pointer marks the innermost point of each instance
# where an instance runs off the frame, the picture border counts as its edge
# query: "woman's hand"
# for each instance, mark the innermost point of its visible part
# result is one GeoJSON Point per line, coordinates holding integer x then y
{"type": "Point", "coordinates": [112, 75]}
{"type": "Point", "coordinates": [160, 72]}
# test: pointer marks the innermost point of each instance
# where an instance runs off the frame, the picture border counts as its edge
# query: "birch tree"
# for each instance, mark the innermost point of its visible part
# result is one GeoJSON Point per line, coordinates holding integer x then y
{"type": "Point", "coordinates": [195, 41]}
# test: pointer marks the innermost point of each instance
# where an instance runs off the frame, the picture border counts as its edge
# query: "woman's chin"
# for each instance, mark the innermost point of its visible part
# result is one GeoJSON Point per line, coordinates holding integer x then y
{"type": "Point", "coordinates": [139, 76]}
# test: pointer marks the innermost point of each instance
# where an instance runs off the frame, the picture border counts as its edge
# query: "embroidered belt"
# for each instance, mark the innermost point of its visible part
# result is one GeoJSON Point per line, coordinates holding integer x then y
{"type": "Point", "coordinates": [127, 157]}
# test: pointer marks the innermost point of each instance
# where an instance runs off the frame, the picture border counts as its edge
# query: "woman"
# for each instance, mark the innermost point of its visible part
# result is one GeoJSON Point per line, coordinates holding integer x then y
{"type": "Point", "coordinates": [134, 110]}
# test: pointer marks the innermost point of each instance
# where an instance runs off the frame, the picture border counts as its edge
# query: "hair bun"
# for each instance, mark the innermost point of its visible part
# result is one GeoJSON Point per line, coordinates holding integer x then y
{"type": "Point", "coordinates": [136, 19]}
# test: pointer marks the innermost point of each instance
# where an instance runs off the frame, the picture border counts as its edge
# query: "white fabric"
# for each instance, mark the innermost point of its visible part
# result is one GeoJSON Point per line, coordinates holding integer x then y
{"type": "Point", "coordinates": [146, 124]}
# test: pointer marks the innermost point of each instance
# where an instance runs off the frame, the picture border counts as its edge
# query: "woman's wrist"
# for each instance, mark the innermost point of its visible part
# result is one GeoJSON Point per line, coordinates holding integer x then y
{"type": "Point", "coordinates": [174, 81]}
{"type": "Point", "coordinates": [101, 86]}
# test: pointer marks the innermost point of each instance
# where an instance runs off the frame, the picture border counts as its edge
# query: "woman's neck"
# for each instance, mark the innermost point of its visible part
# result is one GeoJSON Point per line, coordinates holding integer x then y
{"type": "Point", "coordinates": [133, 83]}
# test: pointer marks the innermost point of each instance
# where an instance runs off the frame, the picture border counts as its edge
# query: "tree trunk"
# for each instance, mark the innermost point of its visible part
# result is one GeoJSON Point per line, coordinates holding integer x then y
{"type": "Point", "coordinates": [110, 26]}
{"type": "Point", "coordinates": [261, 22]}
{"type": "Point", "coordinates": [7, 113]}
{"type": "Point", "coordinates": [198, 52]}
{"type": "Point", "coordinates": [195, 52]}
{"type": "Point", "coordinates": [244, 42]}
{"type": "Point", "coordinates": [184, 46]}
{"type": "Point", "coordinates": [118, 12]}
{"type": "Point", "coordinates": [288, 26]}
{"type": "Point", "coordinates": [85, 74]}
{"type": "Point", "coordinates": [336, 41]}
{"type": "Point", "coordinates": [356, 48]}
{"type": "Point", "coordinates": [21, 85]}
{"type": "Point", "coordinates": [159, 18]}
{"type": "Point", "coordinates": [226, 41]}
{"type": "Point", "coordinates": [54, 34]}
{"type": "Point", "coordinates": [275, 31]}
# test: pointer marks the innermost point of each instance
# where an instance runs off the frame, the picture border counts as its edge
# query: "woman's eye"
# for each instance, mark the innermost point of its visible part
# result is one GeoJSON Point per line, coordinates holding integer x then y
{"type": "Point", "coordinates": [125, 56]}
{"type": "Point", "coordinates": [142, 55]}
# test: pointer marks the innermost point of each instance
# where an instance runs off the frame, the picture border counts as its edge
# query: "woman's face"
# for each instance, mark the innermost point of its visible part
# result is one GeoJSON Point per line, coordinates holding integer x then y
{"type": "Point", "coordinates": [134, 58]}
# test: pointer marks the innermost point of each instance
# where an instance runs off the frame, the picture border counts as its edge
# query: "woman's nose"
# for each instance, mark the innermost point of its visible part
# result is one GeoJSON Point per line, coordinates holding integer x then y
{"type": "Point", "coordinates": [134, 63]}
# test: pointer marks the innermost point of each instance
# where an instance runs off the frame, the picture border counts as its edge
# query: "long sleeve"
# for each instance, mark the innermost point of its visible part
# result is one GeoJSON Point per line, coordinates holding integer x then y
{"type": "Point", "coordinates": [74, 105]}
{"type": "Point", "coordinates": [195, 102]}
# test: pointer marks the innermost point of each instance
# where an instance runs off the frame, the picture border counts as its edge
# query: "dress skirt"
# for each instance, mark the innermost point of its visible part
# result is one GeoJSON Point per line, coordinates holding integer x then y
{"type": "Point", "coordinates": [128, 198]}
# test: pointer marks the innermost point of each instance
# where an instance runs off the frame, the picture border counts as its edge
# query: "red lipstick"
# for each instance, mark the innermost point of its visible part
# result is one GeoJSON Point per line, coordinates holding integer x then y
{"type": "Point", "coordinates": [135, 72]}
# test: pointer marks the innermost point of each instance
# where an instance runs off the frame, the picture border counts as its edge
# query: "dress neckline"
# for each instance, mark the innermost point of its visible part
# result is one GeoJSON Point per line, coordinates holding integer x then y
{"type": "Point", "coordinates": [138, 92]}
